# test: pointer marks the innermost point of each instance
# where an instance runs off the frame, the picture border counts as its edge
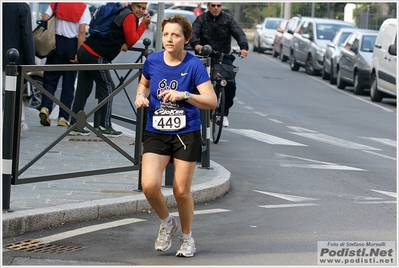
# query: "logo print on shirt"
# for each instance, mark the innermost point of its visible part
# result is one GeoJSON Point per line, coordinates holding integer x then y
{"type": "Point", "coordinates": [183, 74]}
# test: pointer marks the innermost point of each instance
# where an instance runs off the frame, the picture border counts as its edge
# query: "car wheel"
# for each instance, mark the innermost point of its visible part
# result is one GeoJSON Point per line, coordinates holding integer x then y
{"type": "Point", "coordinates": [340, 84]}
{"type": "Point", "coordinates": [255, 48]}
{"type": "Point", "coordinates": [333, 80]}
{"type": "Point", "coordinates": [260, 50]}
{"type": "Point", "coordinates": [375, 94]}
{"type": "Point", "coordinates": [294, 65]}
{"type": "Point", "coordinates": [324, 74]}
{"type": "Point", "coordinates": [283, 57]}
{"type": "Point", "coordinates": [274, 53]}
{"type": "Point", "coordinates": [309, 65]}
{"type": "Point", "coordinates": [358, 89]}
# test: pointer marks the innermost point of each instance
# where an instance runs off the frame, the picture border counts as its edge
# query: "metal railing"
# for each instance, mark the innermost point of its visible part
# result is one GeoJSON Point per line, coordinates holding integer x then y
{"type": "Point", "coordinates": [14, 83]}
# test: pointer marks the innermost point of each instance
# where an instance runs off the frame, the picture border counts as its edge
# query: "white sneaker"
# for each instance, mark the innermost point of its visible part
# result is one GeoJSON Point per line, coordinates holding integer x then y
{"type": "Point", "coordinates": [225, 121]}
{"type": "Point", "coordinates": [187, 248]}
{"type": "Point", "coordinates": [24, 128]}
{"type": "Point", "coordinates": [164, 239]}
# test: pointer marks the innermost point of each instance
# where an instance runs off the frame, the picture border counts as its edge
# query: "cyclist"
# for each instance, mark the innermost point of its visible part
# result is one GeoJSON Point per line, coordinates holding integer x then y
{"type": "Point", "coordinates": [215, 28]}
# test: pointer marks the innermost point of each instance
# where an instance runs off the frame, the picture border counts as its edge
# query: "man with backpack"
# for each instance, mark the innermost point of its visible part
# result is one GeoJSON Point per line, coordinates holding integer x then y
{"type": "Point", "coordinates": [101, 47]}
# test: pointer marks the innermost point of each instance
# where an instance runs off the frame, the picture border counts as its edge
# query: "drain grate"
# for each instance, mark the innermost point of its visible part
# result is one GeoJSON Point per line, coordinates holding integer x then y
{"type": "Point", "coordinates": [40, 247]}
{"type": "Point", "coordinates": [86, 139]}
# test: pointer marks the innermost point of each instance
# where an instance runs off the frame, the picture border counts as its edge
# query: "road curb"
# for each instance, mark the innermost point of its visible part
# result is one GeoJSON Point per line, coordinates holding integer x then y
{"type": "Point", "coordinates": [19, 222]}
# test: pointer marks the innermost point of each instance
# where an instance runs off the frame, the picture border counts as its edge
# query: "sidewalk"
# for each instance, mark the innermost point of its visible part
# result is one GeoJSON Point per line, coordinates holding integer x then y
{"type": "Point", "coordinates": [35, 206]}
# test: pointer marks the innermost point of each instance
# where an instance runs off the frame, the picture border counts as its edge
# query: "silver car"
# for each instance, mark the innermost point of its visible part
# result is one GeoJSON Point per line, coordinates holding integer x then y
{"type": "Point", "coordinates": [264, 34]}
{"type": "Point", "coordinates": [329, 71]}
{"type": "Point", "coordinates": [310, 42]}
{"type": "Point", "coordinates": [292, 25]}
{"type": "Point", "coordinates": [354, 60]}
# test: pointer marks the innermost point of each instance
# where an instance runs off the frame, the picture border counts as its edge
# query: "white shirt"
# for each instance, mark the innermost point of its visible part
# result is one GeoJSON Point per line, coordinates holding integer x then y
{"type": "Point", "coordinates": [67, 28]}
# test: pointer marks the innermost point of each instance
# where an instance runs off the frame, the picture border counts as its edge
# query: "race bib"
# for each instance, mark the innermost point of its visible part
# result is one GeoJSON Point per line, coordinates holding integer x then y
{"type": "Point", "coordinates": [169, 119]}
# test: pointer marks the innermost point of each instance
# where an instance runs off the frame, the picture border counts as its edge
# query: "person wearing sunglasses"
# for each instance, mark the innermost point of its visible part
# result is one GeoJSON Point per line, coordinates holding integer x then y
{"type": "Point", "coordinates": [215, 28]}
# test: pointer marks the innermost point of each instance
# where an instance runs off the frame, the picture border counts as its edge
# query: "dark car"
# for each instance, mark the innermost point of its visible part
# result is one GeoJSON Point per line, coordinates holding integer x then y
{"type": "Point", "coordinates": [331, 54]}
{"type": "Point", "coordinates": [278, 38]}
{"type": "Point", "coordinates": [354, 60]}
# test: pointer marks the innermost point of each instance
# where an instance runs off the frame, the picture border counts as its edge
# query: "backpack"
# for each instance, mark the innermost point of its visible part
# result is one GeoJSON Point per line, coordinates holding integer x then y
{"type": "Point", "coordinates": [104, 16]}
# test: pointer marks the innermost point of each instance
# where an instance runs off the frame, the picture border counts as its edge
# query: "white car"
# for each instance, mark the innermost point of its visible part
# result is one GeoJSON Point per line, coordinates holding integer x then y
{"type": "Point", "coordinates": [384, 62]}
{"type": "Point", "coordinates": [264, 34]}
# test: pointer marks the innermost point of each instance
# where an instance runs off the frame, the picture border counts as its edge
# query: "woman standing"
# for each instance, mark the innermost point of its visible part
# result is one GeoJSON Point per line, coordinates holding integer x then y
{"type": "Point", "coordinates": [175, 86]}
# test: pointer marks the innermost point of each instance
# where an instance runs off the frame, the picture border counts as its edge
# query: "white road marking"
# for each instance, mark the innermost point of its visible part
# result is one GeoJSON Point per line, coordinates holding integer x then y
{"type": "Point", "coordinates": [328, 167]}
{"type": "Point", "coordinates": [263, 137]}
{"type": "Point", "coordinates": [335, 141]}
{"type": "Point", "coordinates": [261, 114]}
{"type": "Point", "coordinates": [301, 129]}
{"type": "Point", "coordinates": [288, 205]}
{"type": "Point", "coordinates": [388, 142]}
{"type": "Point", "coordinates": [275, 121]}
{"type": "Point", "coordinates": [385, 156]}
{"type": "Point", "coordinates": [84, 230]}
{"type": "Point", "coordinates": [376, 202]}
{"type": "Point", "coordinates": [391, 194]}
{"type": "Point", "coordinates": [292, 198]}
{"type": "Point", "coordinates": [249, 107]}
{"type": "Point", "coordinates": [88, 229]}
{"type": "Point", "coordinates": [240, 102]}
{"type": "Point", "coordinates": [201, 212]}
{"type": "Point", "coordinates": [99, 227]}
{"type": "Point", "coordinates": [318, 165]}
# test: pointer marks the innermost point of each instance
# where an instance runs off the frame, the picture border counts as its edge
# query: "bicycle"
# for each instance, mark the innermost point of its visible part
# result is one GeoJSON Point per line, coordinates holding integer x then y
{"type": "Point", "coordinates": [220, 75]}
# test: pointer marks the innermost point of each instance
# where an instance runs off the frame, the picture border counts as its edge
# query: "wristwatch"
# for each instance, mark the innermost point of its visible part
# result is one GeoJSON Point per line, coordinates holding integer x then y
{"type": "Point", "coordinates": [187, 95]}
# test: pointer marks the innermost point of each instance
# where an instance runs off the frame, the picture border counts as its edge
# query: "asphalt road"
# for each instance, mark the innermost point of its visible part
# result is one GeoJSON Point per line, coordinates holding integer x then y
{"type": "Point", "coordinates": [309, 164]}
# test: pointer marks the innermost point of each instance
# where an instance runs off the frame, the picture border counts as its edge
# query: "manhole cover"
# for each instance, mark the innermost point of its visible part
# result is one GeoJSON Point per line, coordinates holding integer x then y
{"type": "Point", "coordinates": [40, 247]}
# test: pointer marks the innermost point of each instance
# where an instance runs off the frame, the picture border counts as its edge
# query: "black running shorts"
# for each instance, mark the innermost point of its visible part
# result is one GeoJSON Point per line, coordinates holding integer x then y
{"type": "Point", "coordinates": [186, 146]}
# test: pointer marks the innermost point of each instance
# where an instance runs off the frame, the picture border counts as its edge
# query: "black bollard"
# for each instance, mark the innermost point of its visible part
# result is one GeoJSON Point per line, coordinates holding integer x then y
{"type": "Point", "coordinates": [8, 124]}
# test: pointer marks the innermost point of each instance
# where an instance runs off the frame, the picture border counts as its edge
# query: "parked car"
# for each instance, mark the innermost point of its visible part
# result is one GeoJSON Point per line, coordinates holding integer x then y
{"type": "Point", "coordinates": [168, 13]}
{"type": "Point", "coordinates": [331, 54]}
{"type": "Point", "coordinates": [355, 59]}
{"type": "Point", "coordinates": [152, 7]}
{"type": "Point", "coordinates": [264, 34]}
{"type": "Point", "coordinates": [310, 41]}
{"type": "Point", "coordinates": [278, 38]}
{"type": "Point", "coordinates": [292, 25]}
{"type": "Point", "coordinates": [384, 62]}
{"type": "Point", "coordinates": [190, 7]}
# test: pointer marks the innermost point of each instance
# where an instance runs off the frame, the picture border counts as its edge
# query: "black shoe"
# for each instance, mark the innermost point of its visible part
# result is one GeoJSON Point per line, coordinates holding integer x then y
{"type": "Point", "coordinates": [76, 132]}
{"type": "Point", "coordinates": [110, 132]}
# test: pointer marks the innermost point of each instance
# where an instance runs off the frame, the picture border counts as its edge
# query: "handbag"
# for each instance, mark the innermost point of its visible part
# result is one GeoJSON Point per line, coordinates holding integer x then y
{"type": "Point", "coordinates": [44, 36]}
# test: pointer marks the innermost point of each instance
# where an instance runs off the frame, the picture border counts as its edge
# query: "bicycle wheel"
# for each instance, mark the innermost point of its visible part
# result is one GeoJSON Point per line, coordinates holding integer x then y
{"type": "Point", "coordinates": [217, 115]}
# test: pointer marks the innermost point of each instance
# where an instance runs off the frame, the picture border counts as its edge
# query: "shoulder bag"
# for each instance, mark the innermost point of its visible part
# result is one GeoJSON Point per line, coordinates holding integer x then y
{"type": "Point", "coordinates": [44, 36]}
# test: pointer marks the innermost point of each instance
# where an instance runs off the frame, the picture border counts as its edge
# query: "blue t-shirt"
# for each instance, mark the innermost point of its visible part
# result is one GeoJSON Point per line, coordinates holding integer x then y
{"type": "Point", "coordinates": [184, 77]}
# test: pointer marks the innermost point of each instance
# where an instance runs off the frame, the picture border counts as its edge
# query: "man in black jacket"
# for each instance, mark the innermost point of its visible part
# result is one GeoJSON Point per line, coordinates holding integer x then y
{"type": "Point", "coordinates": [215, 28]}
{"type": "Point", "coordinates": [17, 33]}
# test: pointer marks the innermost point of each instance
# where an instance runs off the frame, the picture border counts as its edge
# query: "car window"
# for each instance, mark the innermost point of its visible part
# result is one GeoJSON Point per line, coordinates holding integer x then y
{"type": "Point", "coordinates": [272, 24]}
{"type": "Point", "coordinates": [350, 41]}
{"type": "Point", "coordinates": [292, 24]}
{"type": "Point", "coordinates": [343, 38]}
{"type": "Point", "coordinates": [308, 29]}
{"type": "Point", "coordinates": [326, 31]}
{"type": "Point", "coordinates": [355, 45]}
{"type": "Point", "coordinates": [302, 28]}
{"type": "Point", "coordinates": [368, 42]}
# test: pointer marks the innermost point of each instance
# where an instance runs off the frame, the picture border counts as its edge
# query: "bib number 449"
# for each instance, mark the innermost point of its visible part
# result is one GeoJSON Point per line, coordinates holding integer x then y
{"type": "Point", "coordinates": [169, 119]}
